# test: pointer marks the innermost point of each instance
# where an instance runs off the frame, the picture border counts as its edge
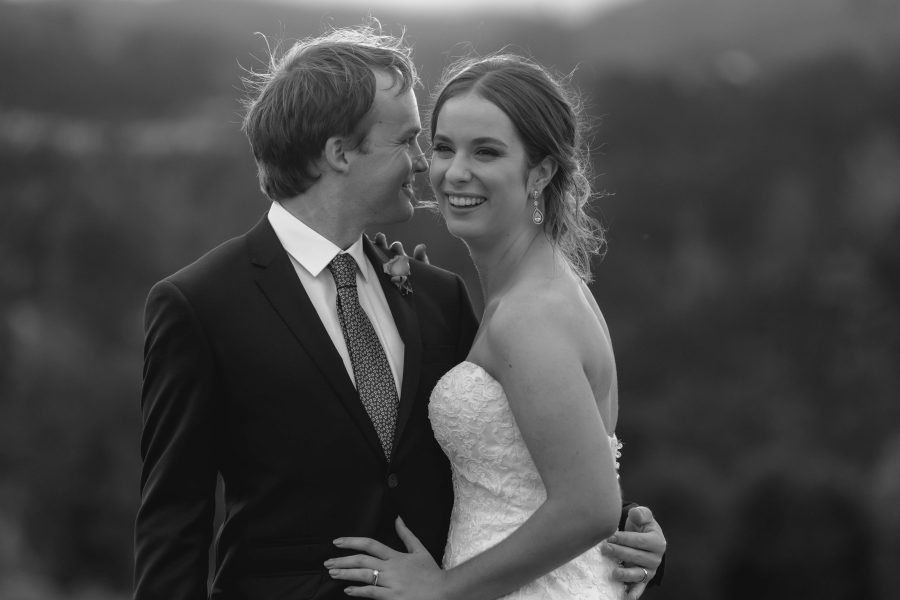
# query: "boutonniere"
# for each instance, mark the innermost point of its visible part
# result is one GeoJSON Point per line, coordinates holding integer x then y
{"type": "Point", "coordinates": [398, 270]}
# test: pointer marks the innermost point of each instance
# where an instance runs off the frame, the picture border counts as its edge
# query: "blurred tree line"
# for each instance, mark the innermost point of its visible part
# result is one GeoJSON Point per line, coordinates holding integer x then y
{"type": "Point", "coordinates": [752, 282]}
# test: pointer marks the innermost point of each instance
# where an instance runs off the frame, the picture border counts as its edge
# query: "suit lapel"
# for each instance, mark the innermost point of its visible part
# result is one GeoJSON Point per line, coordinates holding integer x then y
{"type": "Point", "coordinates": [281, 286]}
{"type": "Point", "coordinates": [407, 321]}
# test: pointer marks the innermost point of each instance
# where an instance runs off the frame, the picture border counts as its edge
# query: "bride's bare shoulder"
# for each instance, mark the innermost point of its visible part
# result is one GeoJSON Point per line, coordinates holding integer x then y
{"type": "Point", "coordinates": [537, 316]}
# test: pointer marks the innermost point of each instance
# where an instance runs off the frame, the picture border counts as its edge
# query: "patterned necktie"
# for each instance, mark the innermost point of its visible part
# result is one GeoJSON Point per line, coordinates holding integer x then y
{"type": "Point", "coordinates": [374, 380]}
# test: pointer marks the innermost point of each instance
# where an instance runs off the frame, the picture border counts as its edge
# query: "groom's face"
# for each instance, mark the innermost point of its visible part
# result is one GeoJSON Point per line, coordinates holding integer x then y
{"type": "Point", "coordinates": [384, 167]}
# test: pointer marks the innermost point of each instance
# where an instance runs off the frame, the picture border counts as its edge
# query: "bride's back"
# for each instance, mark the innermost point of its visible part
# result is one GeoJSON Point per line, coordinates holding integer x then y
{"type": "Point", "coordinates": [497, 485]}
{"type": "Point", "coordinates": [560, 299]}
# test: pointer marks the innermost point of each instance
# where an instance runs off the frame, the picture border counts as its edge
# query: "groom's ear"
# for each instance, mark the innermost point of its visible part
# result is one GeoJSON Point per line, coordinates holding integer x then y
{"type": "Point", "coordinates": [335, 154]}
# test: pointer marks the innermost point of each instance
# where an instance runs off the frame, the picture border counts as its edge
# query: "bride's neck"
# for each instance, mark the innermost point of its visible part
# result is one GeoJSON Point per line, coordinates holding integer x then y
{"type": "Point", "coordinates": [501, 264]}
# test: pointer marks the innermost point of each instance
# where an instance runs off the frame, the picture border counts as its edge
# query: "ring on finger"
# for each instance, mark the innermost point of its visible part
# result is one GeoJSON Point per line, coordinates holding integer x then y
{"type": "Point", "coordinates": [643, 579]}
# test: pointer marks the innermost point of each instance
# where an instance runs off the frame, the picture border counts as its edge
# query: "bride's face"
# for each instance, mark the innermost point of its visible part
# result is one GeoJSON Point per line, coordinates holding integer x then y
{"type": "Point", "coordinates": [479, 170]}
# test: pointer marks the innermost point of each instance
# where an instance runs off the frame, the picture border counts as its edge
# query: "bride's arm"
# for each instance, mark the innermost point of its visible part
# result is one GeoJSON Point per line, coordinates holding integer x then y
{"type": "Point", "coordinates": [538, 357]}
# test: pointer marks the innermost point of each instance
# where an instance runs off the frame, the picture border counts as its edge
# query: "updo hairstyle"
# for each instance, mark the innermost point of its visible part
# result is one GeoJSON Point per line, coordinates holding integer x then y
{"type": "Point", "coordinates": [546, 115]}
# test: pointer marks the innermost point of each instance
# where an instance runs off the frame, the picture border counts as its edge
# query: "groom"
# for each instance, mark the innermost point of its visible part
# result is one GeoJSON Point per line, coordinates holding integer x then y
{"type": "Point", "coordinates": [291, 363]}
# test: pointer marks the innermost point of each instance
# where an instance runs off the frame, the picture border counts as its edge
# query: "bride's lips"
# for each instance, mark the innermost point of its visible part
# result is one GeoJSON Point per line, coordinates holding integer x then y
{"type": "Point", "coordinates": [465, 200]}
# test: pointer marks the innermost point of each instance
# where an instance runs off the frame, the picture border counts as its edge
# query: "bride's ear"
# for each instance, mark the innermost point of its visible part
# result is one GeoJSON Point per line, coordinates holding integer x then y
{"type": "Point", "coordinates": [541, 174]}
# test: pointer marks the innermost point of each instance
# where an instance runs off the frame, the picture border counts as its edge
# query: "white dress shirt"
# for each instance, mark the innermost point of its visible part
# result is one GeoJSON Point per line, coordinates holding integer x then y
{"type": "Point", "coordinates": [310, 254]}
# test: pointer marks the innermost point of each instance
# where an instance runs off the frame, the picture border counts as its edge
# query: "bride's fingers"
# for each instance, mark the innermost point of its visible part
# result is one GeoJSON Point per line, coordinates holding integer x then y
{"type": "Point", "coordinates": [420, 253]}
{"type": "Point", "coordinates": [367, 545]}
{"type": "Point", "coordinates": [369, 591]}
{"type": "Point", "coordinates": [365, 576]}
{"type": "Point", "coordinates": [380, 240]}
{"type": "Point", "coordinates": [409, 539]}
{"type": "Point", "coordinates": [356, 561]}
{"type": "Point", "coordinates": [397, 248]}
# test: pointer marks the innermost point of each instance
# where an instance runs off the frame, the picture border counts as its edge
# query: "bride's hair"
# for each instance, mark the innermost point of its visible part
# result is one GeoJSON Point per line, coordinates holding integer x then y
{"type": "Point", "coordinates": [546, 114]}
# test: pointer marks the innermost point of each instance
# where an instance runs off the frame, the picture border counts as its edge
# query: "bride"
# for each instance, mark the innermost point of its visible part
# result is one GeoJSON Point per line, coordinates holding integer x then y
{"type": "Point", "coordinates": [528, 420]}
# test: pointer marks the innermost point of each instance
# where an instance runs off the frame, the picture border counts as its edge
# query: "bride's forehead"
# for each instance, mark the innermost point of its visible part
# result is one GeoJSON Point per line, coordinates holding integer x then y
{"type": "Point", "coordinates": [470, 105]}
{"type": "Point", "coordinates": [474, 114]}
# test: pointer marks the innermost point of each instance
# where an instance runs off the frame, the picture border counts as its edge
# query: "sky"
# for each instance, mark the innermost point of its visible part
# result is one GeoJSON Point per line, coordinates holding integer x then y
{"type": "Point", "coordinates": [563, 9]}
{"type": "Point", "coordinates": [567, 12]}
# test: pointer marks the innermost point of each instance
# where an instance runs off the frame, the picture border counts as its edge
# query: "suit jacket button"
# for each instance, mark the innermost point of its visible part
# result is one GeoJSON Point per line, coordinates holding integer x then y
{"type": "Point", "coordinates": [393, 481]}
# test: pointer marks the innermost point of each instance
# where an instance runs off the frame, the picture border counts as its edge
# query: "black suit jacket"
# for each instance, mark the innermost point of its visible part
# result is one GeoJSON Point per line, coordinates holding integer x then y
{"type": "Point", "coordinates": [241, 379]}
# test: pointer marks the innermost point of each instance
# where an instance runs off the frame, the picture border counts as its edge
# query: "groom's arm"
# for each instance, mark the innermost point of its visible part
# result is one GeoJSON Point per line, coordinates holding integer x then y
{"type": "Point", "coordinates": [173, 529]}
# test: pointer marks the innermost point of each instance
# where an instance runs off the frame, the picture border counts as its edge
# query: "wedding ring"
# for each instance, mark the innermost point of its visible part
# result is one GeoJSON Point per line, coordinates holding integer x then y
{"type": "Point", "coordinates": [375, 576]}
{"type": "Point", "coordinates": [643, 579]}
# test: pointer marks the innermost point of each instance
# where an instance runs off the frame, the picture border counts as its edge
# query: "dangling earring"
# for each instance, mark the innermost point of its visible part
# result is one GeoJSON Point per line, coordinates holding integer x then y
{"type": "Point", "coordinates": [537, 216]}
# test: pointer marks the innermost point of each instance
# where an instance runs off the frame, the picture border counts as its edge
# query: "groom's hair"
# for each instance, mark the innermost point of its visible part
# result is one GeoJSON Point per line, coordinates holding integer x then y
{"type": "Point", "coordinates": [320, 88]}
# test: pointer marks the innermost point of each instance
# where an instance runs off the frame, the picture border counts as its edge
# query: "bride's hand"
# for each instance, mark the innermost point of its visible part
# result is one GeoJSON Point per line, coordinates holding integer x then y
{"type": "Point", "coordinates": [420, 252]}
{"type": "Point", "coordinates": [400, 576]}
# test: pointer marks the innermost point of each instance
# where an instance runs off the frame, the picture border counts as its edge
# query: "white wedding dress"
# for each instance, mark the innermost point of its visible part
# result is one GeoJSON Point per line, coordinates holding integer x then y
{"type": "Point", "coordinates": [497, 486]}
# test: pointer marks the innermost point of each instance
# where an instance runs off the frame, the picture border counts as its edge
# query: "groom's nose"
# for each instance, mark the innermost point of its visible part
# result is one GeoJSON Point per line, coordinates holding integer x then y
{"type": "Point", "coordinates": [420, 163]}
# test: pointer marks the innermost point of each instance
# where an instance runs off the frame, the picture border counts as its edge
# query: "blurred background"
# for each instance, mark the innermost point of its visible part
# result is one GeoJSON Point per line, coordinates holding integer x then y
{"type": "Point", "coordinates": [749, 151]}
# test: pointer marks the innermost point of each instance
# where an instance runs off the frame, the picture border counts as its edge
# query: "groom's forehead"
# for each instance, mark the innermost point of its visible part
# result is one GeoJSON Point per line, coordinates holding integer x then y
{"type": "Point", "coordinates": [397, 109]}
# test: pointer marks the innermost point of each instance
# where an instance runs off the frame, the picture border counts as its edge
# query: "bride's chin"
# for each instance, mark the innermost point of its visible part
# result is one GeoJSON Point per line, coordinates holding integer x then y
{"type": "Point", "coordinates": [458, 229]}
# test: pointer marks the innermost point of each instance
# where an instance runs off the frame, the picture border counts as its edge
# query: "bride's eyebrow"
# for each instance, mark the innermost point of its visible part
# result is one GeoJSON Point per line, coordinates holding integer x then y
{"type": "Point", "coordinates": [489, 140]}
{"type": "Point", "coordinates": [476, 142]}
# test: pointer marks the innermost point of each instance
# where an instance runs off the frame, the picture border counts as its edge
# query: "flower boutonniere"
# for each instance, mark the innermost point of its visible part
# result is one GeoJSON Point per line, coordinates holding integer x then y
{"type": "Point", "coordinates": [398, 270]}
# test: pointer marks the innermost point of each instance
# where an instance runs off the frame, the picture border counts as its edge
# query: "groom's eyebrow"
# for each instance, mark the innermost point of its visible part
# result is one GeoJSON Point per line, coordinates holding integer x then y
{"type": "Point", "coordinates": [409, 132]}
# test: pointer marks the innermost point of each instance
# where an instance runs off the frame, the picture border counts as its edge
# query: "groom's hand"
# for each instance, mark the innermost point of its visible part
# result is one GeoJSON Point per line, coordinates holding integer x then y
{"type": "Point", "coordinates": [419, 252]}
{"type": "Point", "coordinates": [639, 547]}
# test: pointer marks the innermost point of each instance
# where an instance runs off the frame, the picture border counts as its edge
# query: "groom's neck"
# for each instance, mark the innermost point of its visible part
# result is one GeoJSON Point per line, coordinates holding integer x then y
{"type": "Point", "coordinates": [326, 215]}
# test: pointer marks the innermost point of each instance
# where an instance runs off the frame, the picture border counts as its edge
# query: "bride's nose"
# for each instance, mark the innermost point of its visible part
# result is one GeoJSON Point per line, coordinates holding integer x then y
{"type": "Point", "coordinates": [458, 170]}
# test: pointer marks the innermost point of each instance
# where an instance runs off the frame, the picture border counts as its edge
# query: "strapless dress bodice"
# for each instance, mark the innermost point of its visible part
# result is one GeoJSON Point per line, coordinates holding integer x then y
{"type": "Point", "coordinates": [497, 486]}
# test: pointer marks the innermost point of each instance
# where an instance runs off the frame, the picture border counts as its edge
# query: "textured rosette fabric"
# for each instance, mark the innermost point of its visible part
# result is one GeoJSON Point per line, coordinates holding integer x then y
{"type": "Point", "coordinates": [497, 486]}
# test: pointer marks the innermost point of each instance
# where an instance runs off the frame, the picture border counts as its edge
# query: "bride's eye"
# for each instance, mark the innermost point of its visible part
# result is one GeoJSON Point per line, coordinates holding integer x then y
{"type": "Point", "coordinates": [442, 150]}
{"type": "Point", "coordinates": [487, 153]}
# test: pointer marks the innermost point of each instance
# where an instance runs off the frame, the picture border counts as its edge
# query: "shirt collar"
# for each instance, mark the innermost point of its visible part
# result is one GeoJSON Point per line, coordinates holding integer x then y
{"type": "Point", "coordinates": [308, 247]}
